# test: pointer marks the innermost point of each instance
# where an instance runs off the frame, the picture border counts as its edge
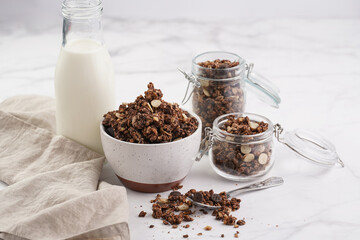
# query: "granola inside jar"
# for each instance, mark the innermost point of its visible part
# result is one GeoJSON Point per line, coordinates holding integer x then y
{"type": "Point", "coordinates": [221, 76]}
{"type": "Point", "coordinates": [245, 156]}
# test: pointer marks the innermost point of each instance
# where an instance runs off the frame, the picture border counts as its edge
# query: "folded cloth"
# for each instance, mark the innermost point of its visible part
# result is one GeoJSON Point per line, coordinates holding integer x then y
{"type": "Point", "coordinates": [54, 190]}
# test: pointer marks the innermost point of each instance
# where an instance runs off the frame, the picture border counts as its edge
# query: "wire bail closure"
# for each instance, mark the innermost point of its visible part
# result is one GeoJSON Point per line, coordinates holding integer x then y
{"type": "Point", "coordinates": [191, 79]}
{"type": "Point", "coordinates": [206, 143]}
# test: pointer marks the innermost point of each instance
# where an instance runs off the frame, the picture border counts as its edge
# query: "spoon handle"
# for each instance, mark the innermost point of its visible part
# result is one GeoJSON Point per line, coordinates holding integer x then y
{"type": "Point", "coordinates": [267, 183]}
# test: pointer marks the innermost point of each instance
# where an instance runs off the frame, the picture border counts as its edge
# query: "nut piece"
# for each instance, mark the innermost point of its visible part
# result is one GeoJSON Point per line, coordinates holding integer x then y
{"type": "Point", "coordinates": [249, 157]}
{"type": "Point", "coordinates": [245, 149]}
{"type": "Point", "coordinates": [208, 228]}
{"type": "Point", "coordinates": [183, 207]}
{"type": "Point", "coordinates": [162, 200]}
{"type": "Point", "coordinates": [155, 103]}
{"type": "Point", "coordinates": [229, 138]}
{"type": "Point", "coordinates": [206, 92]}
{"type": "Point", "coordinates": [204, 83]}
{"type": "Point", "coordinates": [263, 158]}
{"type": "Point", "coordinates": [253, 125]}
{"type": "Point", "coordinates": [149, 107]}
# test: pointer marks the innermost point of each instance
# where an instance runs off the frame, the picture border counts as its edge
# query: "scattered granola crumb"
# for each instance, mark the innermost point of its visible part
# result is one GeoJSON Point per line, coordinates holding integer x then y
{"type": "Point", "coordinates": [203, 211]}
{"type": "Point", "coordinates": [236, 226]}
{"type": "Point", "coordinates": [186, 226]}
{"type": "Point", "coordinates": [142, 214]}
{"type": "Point", "coordinates": [151, 226]}
{"type": "Point", "coordinates": [185, 236]}
{"type": "Point", "coordinates": [174, 226]}
{"type": "Point", "coordinates": [177, 187]}
{"type": "Point", "coordinates": [199, 234]}
{"type": "Point", "coordinates": [222, 235]}
{"type": "Point", "coordinates": [208, 228]}
{"type": "Point", "coordinates": [241, 222]}
{"type": "Point", "coordinates": [236, 235]}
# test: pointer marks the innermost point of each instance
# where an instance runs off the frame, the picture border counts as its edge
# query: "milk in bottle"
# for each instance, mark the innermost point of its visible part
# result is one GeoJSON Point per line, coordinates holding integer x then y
{"type": "Point", "coordinates": [84, 77]}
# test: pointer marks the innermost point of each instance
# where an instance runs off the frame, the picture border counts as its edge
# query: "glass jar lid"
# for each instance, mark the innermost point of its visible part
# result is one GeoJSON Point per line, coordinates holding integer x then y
{"type": "Point", "coordinates": [310, 146]}
{"type": "Point", "coordinates": [264, 89]}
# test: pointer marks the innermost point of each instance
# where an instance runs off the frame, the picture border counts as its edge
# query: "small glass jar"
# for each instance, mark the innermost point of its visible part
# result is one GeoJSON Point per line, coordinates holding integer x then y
{"type": "Point", "coordinates": [241, 157]}
{"type": "Point", "coordinates": [248, 157]}
{"type": "Point", "coordinates": [219, 91]}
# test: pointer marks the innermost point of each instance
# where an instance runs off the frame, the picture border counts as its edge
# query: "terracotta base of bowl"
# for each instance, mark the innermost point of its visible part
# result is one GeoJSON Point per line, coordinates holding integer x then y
{"type": "Point", "coordinates": [149, 188]}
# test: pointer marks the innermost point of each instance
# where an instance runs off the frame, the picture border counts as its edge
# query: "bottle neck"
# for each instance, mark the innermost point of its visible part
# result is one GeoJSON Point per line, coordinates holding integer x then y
{"type": "Point", "coordinates": [82, 20]}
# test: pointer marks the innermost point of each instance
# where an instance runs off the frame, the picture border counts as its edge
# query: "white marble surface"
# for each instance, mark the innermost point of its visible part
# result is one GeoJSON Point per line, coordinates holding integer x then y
{"type": "Point", "coordinates": [315, 63]}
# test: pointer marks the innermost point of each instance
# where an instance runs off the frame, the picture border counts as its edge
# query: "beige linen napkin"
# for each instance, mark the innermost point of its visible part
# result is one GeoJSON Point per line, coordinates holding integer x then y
{"type": "Point", "coordinates": [54, 191]}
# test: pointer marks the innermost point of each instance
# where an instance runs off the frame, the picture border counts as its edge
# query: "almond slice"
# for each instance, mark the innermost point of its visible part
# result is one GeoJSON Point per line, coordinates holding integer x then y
{"type": "Point", "coordinates": [263, 158]}
{"type": "Point", "coordinates": [206, 92]}
{"type": "Point", "coordinates": [183, 207]}
{"type": "Point", "coordinates": [245, 149]}
{"type": "Point", "coordinates": [150, 107]}
{"type": "Point", "coordinates": [249, 157]}
{"type": "Point", "coordinates": [162, 200]}
{"type": "Point", "coordinates": [155, 103]}
{"type": "Point", "coordinates": [229, 138]}
{"type": "Point", "coordinates": [204, 83]}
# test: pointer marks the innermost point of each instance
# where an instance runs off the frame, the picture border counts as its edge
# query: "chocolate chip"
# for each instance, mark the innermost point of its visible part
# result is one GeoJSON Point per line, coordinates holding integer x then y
{"type": "Point", "coordinates": [110, 131]}
{"type": "Point", "coordinates": [198, 197]}
{"type": "Point", "coordinates": [216, 198]}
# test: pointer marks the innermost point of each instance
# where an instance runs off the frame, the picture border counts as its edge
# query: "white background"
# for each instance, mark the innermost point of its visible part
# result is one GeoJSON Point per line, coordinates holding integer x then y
{"type": "Point", "coordinates": [47, 11]}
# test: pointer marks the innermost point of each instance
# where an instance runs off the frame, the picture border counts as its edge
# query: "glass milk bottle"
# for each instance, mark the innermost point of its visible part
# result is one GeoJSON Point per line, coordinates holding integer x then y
{"type": "Point", "coordinates": [84, 76]}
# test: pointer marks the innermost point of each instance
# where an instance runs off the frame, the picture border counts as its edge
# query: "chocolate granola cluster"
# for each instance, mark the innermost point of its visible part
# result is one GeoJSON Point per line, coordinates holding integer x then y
{"type": "Point", "coordinates": [149, 120]}
{"type": "Point", "coordinates": [220, 92]}
{"type": "Point", "coordinates": [241, 159]}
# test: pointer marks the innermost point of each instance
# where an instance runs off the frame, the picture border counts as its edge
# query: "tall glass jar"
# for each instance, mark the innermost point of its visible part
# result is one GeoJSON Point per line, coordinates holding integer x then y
{"type": "Point", "coordinates": [220, 88]}
{"type": "Point", "coordinates": [84, 76]}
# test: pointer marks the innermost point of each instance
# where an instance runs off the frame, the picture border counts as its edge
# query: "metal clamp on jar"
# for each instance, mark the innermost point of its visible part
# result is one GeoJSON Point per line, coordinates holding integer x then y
{"type": "Point", "coordinates": [218, 91]}
{"type": "Point", "coordinates": [248, 157]}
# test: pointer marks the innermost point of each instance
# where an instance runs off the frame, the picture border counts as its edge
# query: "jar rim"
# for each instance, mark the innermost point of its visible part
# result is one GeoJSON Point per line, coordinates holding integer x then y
{"type": "Point", "coordinates": [238, 59]}
{"type": "Point", "coordinates": [258, 136]}
{"type": "Point", "coordinates": [82, 10]}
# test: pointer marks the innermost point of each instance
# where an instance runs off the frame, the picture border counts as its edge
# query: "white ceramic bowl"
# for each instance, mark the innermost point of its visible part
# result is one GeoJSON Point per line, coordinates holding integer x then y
{"type": "Point", "coordinates": [151, 167]}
